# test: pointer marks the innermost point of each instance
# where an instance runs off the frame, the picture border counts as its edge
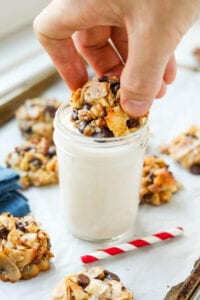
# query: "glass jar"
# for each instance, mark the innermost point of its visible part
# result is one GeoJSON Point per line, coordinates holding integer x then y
{"type": "Point", "coordinates": [99, 179]}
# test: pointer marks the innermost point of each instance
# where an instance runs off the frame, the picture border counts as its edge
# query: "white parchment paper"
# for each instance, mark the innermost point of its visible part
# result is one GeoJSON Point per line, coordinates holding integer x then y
{"type": "Point", "coordinates": [148, 272]}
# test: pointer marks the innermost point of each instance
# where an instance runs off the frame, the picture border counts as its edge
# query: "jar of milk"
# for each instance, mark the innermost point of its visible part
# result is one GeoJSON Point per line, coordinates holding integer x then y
{"type": "Point", "coordinates": [99, 179]}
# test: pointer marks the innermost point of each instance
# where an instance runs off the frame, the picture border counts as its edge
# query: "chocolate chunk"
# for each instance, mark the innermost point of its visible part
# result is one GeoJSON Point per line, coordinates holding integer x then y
{"type": "Point", "coordinates": [191, 135]}
{"type": "Point", "coordinates": [25, 148]}
{"type": "Point", "coordinates": [103, 133]}
{"type": "Point", "coordinates": [114, 86]}
{"type": "Point", "coordinates": [48, 244]}
{"type": "Point", "coordinates": [21, 225]}
{"type": "Point", "coordinates": [74, 114]}
{"type": "Point", "coordinates": [51, 151]}
{"type": "Point", "coordinates": [83, 280]}
{"type": "Point", "coordinates": [103, 79]}
{"type": "Point", "coordinates": [111, 276]}
{"type": "Point", "coordinates": [51, 110]}
{"type": "Point", "coordinates": [147, 196]}
{"type": "Point", "coordinates": [150, 177]}
{"type": "Point", "coordinates": [27, 130]}
{"type": "Point", "coordinates": [3, 232]}
{"type": "Point", "coordinates": [82, 125]}
{"type": "Point", "coordinates": [195, 169]}
{"type": "Point", "coordinates": [133, 122]}
{"type": "Point", "coordinates": [86, 106]}
{"type": "Point", "coordinates": [36, 162]}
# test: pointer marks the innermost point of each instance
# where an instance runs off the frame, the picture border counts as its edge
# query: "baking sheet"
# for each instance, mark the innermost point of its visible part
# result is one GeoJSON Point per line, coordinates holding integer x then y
{"type": "Point", "coordinates": [148, 272]}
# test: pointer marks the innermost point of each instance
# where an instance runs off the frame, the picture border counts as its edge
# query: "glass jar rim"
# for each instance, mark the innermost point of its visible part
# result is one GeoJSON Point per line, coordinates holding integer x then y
{"type": "Point", "coordinates": [66, 132]}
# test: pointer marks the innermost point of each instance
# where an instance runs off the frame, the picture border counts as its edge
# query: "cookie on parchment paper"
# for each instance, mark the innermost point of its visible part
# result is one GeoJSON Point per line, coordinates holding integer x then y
{"type": "Point", "coordinates": [24, 248]}
{"type": "Point", "coordinates": [158, 183]}
{"type": "Point", "coordinates": [35, 118]}
{"type": "Point", "coordinates": [185, 149]}
{"type": "Point", "coordinates": [94, 283]}
{"type": "Point", "coordinates": [36, 163]}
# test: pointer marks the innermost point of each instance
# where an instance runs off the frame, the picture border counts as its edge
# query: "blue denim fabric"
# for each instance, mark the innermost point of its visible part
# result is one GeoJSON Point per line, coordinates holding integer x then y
{"type": "Point", "coordinates": [8, 180]}
{"type": "Point", "coordinates": [11, 200]}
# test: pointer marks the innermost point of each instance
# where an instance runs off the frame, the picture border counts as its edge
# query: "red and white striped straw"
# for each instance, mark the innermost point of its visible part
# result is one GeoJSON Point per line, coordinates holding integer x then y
{"type": "Point", "coordinates": [133, 245]}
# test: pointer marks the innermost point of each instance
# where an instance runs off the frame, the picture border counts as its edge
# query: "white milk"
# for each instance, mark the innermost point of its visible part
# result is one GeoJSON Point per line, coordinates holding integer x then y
{"type": "Point", "coordinates": [99, 181]}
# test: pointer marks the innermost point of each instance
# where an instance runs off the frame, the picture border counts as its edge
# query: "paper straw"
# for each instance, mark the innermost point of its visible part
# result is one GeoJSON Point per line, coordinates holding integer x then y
{"type": "Point", "coordinates": [132, 245]}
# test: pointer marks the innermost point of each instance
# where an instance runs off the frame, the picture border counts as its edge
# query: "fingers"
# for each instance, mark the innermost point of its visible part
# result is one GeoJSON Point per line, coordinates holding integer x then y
{"type": "Point", "coordinates": [142, 77]}
{"type": "Point", "coordinates": [54, 32]}
{"type": "Point", "coordinates": [120, 40]}
{"type": "Point", "coordinates": [94, 45]}
{"type": "Point", "coordinates": [162, 91]}
{"type": "Point", "coordinates": [170, 71]}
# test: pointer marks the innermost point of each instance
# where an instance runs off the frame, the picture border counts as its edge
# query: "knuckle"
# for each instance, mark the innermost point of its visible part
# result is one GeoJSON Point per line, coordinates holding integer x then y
{"type": "Point", "coordinates": [139, 89]}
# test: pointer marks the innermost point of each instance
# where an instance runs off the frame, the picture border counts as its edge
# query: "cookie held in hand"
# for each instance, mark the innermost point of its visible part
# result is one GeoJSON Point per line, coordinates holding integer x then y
{"type": "Point", "coordinates": [24, 248]}
{"type": "Point", "coordinates": [97, 111]}
{"type": "Point", "coordinates": [94, 283]}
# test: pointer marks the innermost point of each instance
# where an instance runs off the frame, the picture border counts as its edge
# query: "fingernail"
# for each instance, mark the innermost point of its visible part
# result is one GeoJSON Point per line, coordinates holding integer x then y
{"type": "Point", "coordinates": [136, 108]}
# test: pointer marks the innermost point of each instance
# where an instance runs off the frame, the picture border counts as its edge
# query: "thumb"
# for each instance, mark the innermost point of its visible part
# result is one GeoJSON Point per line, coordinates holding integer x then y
{"type": "Point", "coordinates": [142, 76]}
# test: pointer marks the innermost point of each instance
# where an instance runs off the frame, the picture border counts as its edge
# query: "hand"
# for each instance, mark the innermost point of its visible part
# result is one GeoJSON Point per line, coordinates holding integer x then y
{"type": "Point", "coordinates": [145, 34]}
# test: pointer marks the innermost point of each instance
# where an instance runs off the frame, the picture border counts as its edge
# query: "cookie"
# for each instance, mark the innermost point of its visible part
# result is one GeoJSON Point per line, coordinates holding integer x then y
{"type": "Point", "coordinates": [36, 163]}
{"type": "Point", "coordinates": [96, 110]}
{"type": "Point", "coordinates": [158, 183]}
{"type": "Point", "coordinates": [24, 248]}
{"type": "Point", "coordinates": [185, 149]}
{"type": "Point", "coordinates": [94, 283]}
{"type": "Point", "coordinates": [35, 118]}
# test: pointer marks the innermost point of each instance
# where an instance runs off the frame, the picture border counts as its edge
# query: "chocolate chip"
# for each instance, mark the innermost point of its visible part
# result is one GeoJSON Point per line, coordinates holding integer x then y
{"type": "Point", "coordinates": [21, 225]}
{"type": "Point", "coordinates": [114, 86]}
{"type": "Point", "coordinates": [195, 169]}
{"type": "Point", "coordinates": [48, 244]}
{"type": "Point", "coordinates": [147, 196]}
{"type": "Point", "coordinates": [36, 162]}
{"type": "Point", "coordinates": [103, 133]}
{"type": "Point", "coordinates": [51, 110]}
{"type": "Point", "coordinates": [150, 177]}
{"type": "Point", "coordinates": [25, 148]}
{"type": "Point", "coordinates": [86, 106]}
{"type": "Point", "coordinates": [191, 135]}
{"type": "Point", "coordinates": [74, 114]}
{"type": "Point", "coordinates": [111, 276]}
{"type": "Point", "coordinates": [3, 232]}
{"type": "Point", "coordinates": [51, 151]}
{"type": "Point", "coordinates": [82, 125]}
{"type": "Point", "coordinates": [28, 130]}
{"type": "Point", "coordinates": [133, 122]}
{"type": "Point", "coordinates": [83, 280]}
{"type": "Point", "coordinates": [103, 79]}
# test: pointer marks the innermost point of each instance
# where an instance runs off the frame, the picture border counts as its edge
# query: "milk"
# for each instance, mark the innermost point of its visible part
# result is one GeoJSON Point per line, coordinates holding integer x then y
{"type": "Point", "coordinates": [99, 181]}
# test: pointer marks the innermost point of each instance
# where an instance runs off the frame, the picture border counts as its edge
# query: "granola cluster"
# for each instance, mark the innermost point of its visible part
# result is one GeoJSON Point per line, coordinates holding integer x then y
{"type": "Point", "coordinates": [97, 111]}
{"type": "Point", "coordinates": [36, 163]}
{"type": "Point", "coordinates": [158, 183]}
{"type": "Point", "coordinates": [24, 248]}
{"type": "Point", "coordinates": [35, 118]}
{"type": "Point", "coordinates": [94, 283]}
{"type": "Point", "coordinates": [185, 149]}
